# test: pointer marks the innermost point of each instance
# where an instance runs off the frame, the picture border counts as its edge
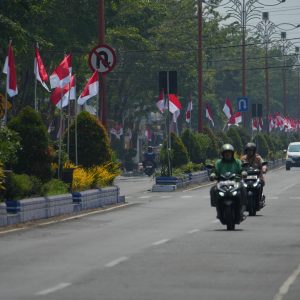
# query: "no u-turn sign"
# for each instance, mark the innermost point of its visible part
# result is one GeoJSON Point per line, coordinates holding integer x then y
{"type": "Point", "coordinates": [102, 59]}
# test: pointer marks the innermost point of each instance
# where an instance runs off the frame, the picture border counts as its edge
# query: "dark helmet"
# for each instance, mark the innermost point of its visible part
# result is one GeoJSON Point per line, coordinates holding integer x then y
{"type": "Point", "coordinates": [250, 146]}
{"type": "Point", "coordinates": [150, 148]}
{"type": "Point", "coordinates": [227, 147]}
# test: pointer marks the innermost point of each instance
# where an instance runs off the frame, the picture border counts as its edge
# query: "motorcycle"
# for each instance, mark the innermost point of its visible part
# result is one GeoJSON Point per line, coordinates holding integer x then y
{"type": "Point", "coordinates": [149, 167]}
{"type": "Point", "coordinates": [227, 200]}
{"type": "Point", "coordinates": [253, 185]}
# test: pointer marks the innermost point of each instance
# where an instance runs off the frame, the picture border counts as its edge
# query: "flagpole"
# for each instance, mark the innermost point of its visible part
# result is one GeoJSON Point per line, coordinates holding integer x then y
{"type": "Point", "coordinates": [168, 128]}
{"type": "Point", "coordinates": [60, 133]}
{"type": "Point", "coordinates": [7, 84]}
{"type": "Point", "coordinates": [69, 111]}
{"type": "Point", "coordinates": [76, 150]}
{"type": "Point", "coordinates": [35, 83]}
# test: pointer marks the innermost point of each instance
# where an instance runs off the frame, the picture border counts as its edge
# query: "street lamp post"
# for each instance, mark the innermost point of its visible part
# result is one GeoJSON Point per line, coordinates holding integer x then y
{"type": "Point", "coordinates": [297, 50]}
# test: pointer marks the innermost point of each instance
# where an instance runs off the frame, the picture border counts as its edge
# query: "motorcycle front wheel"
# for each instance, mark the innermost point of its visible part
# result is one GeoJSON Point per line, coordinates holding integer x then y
{"type": "Point", "coordinates": [229, 217]}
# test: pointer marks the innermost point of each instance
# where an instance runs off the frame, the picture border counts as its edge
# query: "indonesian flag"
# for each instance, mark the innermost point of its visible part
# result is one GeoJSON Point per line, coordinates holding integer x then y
{"type": "Point", "coordinates": [271, 123]}
{"type": "Point", "coordinates": [279, 121]}
{"type": "Point", "coordinates": [39, 69]}
{"type": "Point", "coordinates": [257, 124]}
{"type": "Point", "coordinates": [117, 131]}
{"type": "Point", "coordinates": [176, 115]}
{"type": "Point", "coordinates": [148, 134]}
{"type": "Point", "coordinates": [174, 103]}
{"type": "Point", "coordinates": [235, 119]}
{"type": "Point", "coordinates": [160, 103]}
{"type": "Point", "coordinates": [227, 109]}
{"type": "Point", "coordinates": [208, 114]}
{"type": "Point", "coordinates": [62, 74]}
{"type": "Point", "coordinates": [91, 89]}
{"type": "Point", "coordinates": [10, 71]}
{"type": "Point", "coordinates": [189, 112]}
{"type": "Point", "coordinates": [60, 96]}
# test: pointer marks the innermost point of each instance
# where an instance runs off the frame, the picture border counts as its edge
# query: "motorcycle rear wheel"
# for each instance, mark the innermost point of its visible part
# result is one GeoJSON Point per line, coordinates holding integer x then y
{"type": "Point", "coordinates": [252, 206]}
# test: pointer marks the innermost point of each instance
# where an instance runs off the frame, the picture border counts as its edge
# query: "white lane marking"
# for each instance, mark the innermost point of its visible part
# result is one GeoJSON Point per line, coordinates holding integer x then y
{"type": "Point", "coordinates": [186, 197]}
{"type": "Point", "coordinates": [116, 262]}
{"type": "Point", "coordinates": [193, 231]}
{"type": "Point", "coordinates": [287, 284]}
{"type": "Point", "coordinates": [145, 197]}
{"type": "Point", "coordinates": [198, 187]}
{"type": "Point", "coordinates": [272, 198]}
{"type": "Point", "coordinates": [165, 197]}
{"type": "Point", "coordinates": [295, 198]}
{"type": "Point", "coordinates": [53, 289]}
{"type": "Point", "coordinates": [288, 187]}
{"type": "Point", "coordinates": [160, 242]}
{"type": "Point", "coordinates": [128, 197]}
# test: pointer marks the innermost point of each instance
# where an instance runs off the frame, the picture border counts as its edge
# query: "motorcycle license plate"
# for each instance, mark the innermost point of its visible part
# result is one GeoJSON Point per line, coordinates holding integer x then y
{"type": "Point", "coordinates": [252, 177]}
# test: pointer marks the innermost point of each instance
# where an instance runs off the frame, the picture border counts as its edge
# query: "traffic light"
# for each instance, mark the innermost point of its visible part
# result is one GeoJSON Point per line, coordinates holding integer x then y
{"type": "Point", "coordinates": [163, 84]}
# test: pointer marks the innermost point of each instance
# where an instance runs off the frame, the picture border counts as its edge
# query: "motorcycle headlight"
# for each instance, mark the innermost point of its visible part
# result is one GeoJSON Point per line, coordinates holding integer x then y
{"type": "Point", "coordinates": [222, 194]}
{"type": "Point", "coordinates": [234, 193]}
{"type": "Point", "coordinates": [245, 184]}
{"type": "Point", "coordinates": [255, 184]}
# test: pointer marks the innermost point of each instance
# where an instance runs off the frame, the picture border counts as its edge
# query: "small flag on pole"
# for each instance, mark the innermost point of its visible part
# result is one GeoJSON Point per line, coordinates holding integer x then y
{"type": "Point", "coordinates": [227, 109]}
{"type": "Point", "coordinates": [39, 69]}
{"type": "Point", "coordinates": [91, 89]}
{"type": "Point", "coordinates": [189, 112]}
{"type": "Point", "coordinates": [208, 114]}
{"type": "Point", "coordinates": [62, 74]}
{"type": "Point", "coordinates": [10, 70]}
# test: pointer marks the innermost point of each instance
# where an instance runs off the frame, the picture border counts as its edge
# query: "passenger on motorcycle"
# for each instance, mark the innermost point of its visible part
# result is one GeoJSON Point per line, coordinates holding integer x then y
{"type": "Point", "coordinates": [255, 161]}
{"type": "Point", "coordinates": [227, 164]}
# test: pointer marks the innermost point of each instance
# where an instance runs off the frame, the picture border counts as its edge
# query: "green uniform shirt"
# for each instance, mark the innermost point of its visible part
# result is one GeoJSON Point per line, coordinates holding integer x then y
{"type": "Point", "coordinates": [233, 166]}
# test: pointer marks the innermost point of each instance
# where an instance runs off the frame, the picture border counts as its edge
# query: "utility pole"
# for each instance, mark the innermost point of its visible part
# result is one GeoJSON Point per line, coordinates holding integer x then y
{"type": "Point", "coordinates": [102, 80]}
{"type": "Point", "coordinates": [200, 67]}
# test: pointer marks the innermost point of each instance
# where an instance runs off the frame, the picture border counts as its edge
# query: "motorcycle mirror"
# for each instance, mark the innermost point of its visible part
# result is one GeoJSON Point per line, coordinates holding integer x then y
{"type": "Point", "coordinates": [284, 151]}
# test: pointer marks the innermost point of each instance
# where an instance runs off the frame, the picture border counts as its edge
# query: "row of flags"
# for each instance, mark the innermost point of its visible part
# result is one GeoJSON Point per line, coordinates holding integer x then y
{"type": "Point", "coordinates": [62, 82]}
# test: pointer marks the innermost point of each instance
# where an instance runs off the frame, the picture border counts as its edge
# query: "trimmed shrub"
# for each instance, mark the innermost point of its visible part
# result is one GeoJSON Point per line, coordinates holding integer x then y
{"type": "Point", "coordinates": [9, 146]}
{"type": "Point", "coordinates": [223, 138]}
{"type": "Point", "coordinates": [54, 187]}
{"type": "Point", "coordinates": [236, 139]}
{"type": "Point", "coordinates": [192, 145]}
{"type": "Point", "coordinates": [34, 157]}
{"type": "Point", "coordinates": [205, 146]}
{"type": "Point", "coordinates": [179, 154]}
{"type": "Point", "coordinates": [214, 143]}
{"type": "Point", "coordinates": [262, 145]}
{"type": "Point", "coordinates": [2, 181]}
{"type": "Point", "coordinates": [93, 143]}
{"type": "Point", "coordinates": [19, 186]}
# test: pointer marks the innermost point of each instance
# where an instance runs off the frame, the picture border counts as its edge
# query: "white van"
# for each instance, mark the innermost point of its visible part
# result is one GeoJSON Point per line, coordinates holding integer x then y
{"type": "Point", "coordinates": [292, 156]}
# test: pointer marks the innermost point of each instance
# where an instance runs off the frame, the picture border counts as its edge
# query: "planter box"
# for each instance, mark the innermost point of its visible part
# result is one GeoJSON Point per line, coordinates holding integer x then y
{"type": "Point", "coordinates": [3, 214]}
{"type": "Point", "coordinates": [59, 205]}
{"type": "Point", "coordinates": [33, 209]}
{"type": "Point", "coordinates": [12, 206]}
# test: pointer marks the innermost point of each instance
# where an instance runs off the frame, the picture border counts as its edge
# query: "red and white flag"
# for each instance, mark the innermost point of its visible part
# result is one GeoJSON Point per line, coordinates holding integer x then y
{"type": "Point", "coordinates": [176, 115]}
{"type": "Point", "coordinates": [62, 74]}
{"type": "Point", "coordinates": [208, 114]}
{"type": "Point", "coordinates": [227, 109]}
{"type": "Point", "coordinates": [189, 112]}
{"type": "Point", "coordinates": [60, 96]}
{"type": "Point", "coordinates": [257, 124]}
{"type": "Point", "coordinates": [160, 103]}
{"type": "Point", "coordinates": [272, 124]}
{"type": "Point", "coordinates": [235, 119]}
{"type": "Point", "coordinates": [117, 131]}
{"type": "Point", "coordinates": [91, 89]}
{"type": "Point", "coordinates": [174, 103]}
{"type": "Point", "coordinates": [10, 71]}
{"type": "Point", "coordinates": [148, 134]}
{"type": "Point", "coordinates": [39, 69]}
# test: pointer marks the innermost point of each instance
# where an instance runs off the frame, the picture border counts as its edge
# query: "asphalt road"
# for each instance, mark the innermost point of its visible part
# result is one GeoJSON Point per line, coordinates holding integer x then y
{"type": "Point", "coordinates": [163, 246]}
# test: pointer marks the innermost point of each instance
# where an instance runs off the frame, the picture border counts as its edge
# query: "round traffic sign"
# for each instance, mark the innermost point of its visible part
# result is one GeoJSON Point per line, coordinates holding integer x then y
{"type": "Point", "coordinates": [102, 59]}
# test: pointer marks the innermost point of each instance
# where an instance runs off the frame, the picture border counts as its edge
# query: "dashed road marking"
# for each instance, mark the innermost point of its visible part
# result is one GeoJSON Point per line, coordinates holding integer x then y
{"type": "Point", "coordinates": [186, 196]}
{"type": "Point", "coordinates": [193, 231]}
{"type": "Point", "coordinates": [160, 242]}
{"type": "Point", "coordinates": [53, 289]}
{"type": "Point", "coordinates": [116, 262]}
{"type": "Point", "coordinates": [216, 221]}
{"type": "Point", "coordinates": [165, 197]}
{"type": "Point", "coordinates": [287, 284]}
{"type": "Point", "coordinates": [295, 198]}
{"type": "Point", "coordinates": [145, 197]}
{"type": "Point", "coordinates": [272, 198]}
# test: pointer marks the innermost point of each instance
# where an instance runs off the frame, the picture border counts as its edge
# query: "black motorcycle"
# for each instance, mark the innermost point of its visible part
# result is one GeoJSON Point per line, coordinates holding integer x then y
{"type": "Point", "coordinates": [253, 185]}
{"type": "Point", "coordinates": [227, 200]}
{"type": "Point", "coordinates": [149, 167]}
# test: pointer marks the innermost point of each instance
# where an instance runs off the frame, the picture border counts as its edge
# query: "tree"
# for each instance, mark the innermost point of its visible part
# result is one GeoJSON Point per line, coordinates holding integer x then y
{"type": "Point", "coordinates": [93, 142]}
{"type": "Point", "coordinates": [34, 157]}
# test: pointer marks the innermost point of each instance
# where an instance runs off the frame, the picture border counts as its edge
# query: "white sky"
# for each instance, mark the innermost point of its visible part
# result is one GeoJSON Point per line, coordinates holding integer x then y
{"type": "Point", "coordinates": [287, 12]}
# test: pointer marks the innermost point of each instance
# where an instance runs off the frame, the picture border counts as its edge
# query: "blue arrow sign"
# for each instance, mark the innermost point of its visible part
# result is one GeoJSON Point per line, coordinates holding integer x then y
{"type": "Point", "coordinates": [242, 104]}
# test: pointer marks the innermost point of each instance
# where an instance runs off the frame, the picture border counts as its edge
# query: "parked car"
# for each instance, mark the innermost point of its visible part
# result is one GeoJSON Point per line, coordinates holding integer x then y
{"type": "Point", "coordinates": [292, 156]}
